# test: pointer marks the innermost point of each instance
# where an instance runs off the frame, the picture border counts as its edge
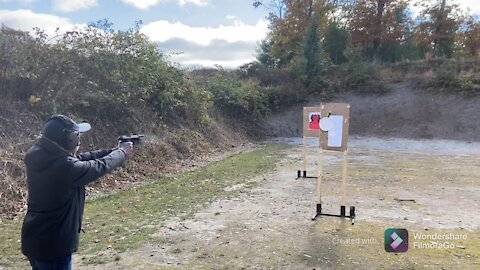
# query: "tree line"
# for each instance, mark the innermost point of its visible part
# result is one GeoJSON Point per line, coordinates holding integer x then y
{"type": "Point", "coordinates": [309, 34]}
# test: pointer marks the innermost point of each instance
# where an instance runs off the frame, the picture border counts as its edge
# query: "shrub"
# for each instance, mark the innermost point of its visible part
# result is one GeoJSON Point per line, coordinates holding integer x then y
{"type": "Point", "coordinates": [96, 72]}
{"type": "Point", "coordinates": [446, 76]}
{"type": "Point", "coordinates": [281, 87]}
{"type": "Point", "coordinates": [449, 77]}
{"type": "Point", "coordinates": [241, 100]}
{"type": "Point", "coordinates": [360, 75]}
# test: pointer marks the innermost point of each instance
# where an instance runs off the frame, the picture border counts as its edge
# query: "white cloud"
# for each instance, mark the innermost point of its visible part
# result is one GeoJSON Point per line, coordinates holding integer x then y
{"type": "Point", "coordinates": [141, 4]}
{"type": "Point", "coordinates": [229, 46]}
{"type": "Point", "coordinates": [195, 2]}
{"type": "Point", "coordinates": [161, 31]}
{"type": "Point", "coordinates": [472, 5]}
{"type": "Point", "coordinates": [73, 5]}
{"type": "Point", "coordinates": [211, 63]}
{"type": "Point", "coordinates": [26, 20]}
{"type": "Point", "coordinates": [227, 54]}
{"type": "Point", "coordinates": [145, 4]}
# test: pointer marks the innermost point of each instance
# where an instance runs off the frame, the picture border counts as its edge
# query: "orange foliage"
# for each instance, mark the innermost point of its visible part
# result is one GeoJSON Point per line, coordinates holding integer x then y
{"type": "Point", "coordinates": [471, 40]}
{"type": "Point", "coordinates": [378, 19]}
{"type": "Point", "coordinates": [288, 32]}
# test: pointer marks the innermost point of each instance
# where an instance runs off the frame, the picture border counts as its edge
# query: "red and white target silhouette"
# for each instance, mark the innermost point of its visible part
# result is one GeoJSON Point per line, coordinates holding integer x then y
{"type": "Point", "coordinates": [314, 121]}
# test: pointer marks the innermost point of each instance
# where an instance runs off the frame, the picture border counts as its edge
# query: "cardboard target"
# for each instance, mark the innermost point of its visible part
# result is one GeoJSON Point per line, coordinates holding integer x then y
{"type": "Point", "coordinates": [336, 117]}
{"type": "Point", "coordinates": [311, 122]}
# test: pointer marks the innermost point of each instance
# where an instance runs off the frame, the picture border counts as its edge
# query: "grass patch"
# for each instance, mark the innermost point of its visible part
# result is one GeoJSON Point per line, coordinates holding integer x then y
{"type": "Point", "coordinates": [10, 253]}
{"type": "Point", "coordinates": [125, 220]}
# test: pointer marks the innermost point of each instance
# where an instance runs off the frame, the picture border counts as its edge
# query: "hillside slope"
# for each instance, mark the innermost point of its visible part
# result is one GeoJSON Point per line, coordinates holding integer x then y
{"type": "Point", "coordinates": [404, 112]}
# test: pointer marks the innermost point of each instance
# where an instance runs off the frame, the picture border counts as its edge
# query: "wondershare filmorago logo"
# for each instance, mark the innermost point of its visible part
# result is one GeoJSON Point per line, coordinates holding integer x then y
{"type": "Point", "coordinates": [396, 240]}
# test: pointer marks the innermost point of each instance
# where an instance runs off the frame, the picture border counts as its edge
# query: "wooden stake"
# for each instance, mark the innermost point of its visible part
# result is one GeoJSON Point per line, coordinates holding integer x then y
{"type": "Point", "coordinates": [343, 199]}
{"type": "Point", "coordinates": [304, 154]}
{"type": "Point", "coordinates": [320, 174]}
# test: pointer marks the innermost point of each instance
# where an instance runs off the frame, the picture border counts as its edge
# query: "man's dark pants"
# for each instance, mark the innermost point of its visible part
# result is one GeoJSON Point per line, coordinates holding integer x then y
{"type": "Point", "coordinates": [63, 263]}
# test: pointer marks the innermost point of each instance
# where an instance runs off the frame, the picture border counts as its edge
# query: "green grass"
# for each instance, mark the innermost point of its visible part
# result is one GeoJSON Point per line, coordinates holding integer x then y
{"type": "Point", "coordinates": [10, 254]}
{"type": "Point", "coordinates": [123, 221]}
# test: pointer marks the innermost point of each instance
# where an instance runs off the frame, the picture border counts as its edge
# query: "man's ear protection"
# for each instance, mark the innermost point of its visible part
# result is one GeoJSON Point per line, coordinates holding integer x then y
{"type": "Point", "coordinates": [71, 134]}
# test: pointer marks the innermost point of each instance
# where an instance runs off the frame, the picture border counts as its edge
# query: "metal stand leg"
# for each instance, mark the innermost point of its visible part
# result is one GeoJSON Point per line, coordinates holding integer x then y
{"type": "Point", "coordinates": [319, 211]}
{"type": "Point", "coordinates": [352, 214]}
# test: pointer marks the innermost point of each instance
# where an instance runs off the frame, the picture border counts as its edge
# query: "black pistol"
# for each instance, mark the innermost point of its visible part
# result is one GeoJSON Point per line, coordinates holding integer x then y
{"type": "Point", "coordinates": [135, 139]}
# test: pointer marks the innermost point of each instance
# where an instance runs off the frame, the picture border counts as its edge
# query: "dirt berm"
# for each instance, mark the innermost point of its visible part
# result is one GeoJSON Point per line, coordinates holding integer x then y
{"type": "Point", "coordinates": [403, 112]}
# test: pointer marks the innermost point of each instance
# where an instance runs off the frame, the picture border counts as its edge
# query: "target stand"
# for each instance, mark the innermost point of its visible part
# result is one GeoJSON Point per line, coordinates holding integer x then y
{"type": "Point", "coordinates": [311, 129]}
{"type": "Point", "coordinates": [342, 213]}
{"type": "Point", "coordinates": [343, 192]}
{"type": "Point", "coordinates": [303, 174]}
{"type": "Point", "coordinates": [334, 138]}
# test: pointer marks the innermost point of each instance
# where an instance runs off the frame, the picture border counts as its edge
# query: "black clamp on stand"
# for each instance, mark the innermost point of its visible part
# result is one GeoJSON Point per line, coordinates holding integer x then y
{"type": "Point", "coordinates": [342, 213]}
{"type": "Point", "coordinates": [304, 175]}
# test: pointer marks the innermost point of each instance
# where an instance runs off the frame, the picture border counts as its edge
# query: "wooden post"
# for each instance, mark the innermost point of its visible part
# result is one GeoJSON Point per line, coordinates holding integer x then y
{"type": "Point", "coordinates": [320, 174]}
{"type": "Point", "coordinates": [343, 199]}
{"type": "Point", "coordinates": [304, 154]}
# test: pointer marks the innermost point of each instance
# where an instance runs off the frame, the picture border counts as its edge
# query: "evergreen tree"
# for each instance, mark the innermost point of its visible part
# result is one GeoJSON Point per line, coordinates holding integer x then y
{"type": "Point", "coordinates": [312, 62]}
{"type": "Point", "coordinates": [264, 53]}
{"type": "Point", "coordinates": [336, 39]}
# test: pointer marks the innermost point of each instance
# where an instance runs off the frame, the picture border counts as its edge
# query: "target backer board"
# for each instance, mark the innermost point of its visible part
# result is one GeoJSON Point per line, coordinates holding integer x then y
{"type": "Point", "coordinates": [334, 137]}
{"type": "Point", "coordinates": [311, 122]}
{"type": "Point", "coordinates": [334, 122]}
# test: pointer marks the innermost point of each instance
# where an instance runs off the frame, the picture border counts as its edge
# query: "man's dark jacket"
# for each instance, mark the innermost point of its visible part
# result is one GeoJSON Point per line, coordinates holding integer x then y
{"type": "Point", "coordinates": [56, 196]}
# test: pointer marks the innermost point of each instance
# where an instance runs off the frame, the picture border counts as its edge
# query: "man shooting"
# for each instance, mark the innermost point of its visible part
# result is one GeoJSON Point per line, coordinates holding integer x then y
{"type": "Point", "coordinates": [56, 180]}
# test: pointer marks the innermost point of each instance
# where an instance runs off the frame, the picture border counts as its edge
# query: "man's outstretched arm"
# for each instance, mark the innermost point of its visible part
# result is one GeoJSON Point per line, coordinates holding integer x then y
{"type": "Point", "coordinates": [94, 154]}
{"type": "Point", "coordinates": [85, 172]}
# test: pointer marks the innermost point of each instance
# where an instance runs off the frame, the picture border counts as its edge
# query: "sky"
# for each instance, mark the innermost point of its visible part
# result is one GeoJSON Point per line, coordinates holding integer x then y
{"type": "Point", "coordinates": [194, 32]}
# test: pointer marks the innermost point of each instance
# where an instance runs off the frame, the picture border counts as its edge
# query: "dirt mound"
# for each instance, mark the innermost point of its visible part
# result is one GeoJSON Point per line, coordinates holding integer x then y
{"type": "Point", "coordinates": [166, 150]}
{"type": "Point", "coordinates": [404, 112]}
